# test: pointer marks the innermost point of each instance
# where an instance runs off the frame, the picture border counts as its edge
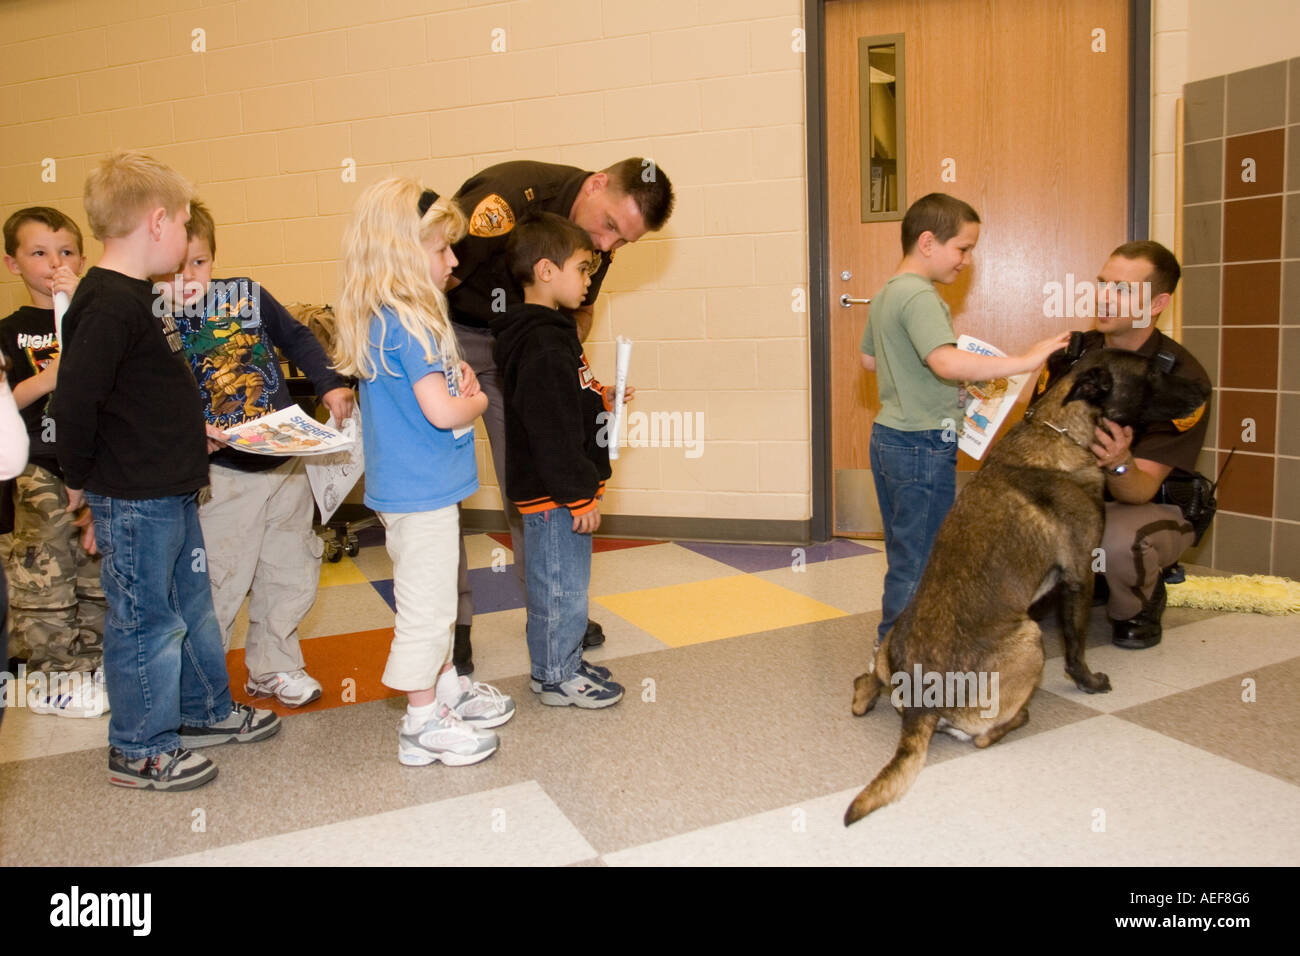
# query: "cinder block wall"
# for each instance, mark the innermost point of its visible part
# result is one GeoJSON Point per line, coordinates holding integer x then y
{"type": "Point", "coordinates": [284, 93]}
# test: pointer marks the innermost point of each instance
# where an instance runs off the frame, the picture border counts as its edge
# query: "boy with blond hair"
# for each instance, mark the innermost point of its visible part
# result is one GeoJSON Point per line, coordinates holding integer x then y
{"type": "Point", "coordinates": [132, 446]}
{"type": "Point", "coordinates": [57, 603]}
{"type": "Point", "coordinates": [257, 520]}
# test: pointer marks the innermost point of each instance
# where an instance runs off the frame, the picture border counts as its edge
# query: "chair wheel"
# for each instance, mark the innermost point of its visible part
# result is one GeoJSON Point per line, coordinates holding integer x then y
{"type": "Point", "coordinates": [350, 547]}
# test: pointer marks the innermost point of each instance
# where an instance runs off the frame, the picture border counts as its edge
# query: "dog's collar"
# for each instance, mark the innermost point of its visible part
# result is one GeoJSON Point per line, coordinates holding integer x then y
{"type": "Point", "coordinates": [1029, 416]}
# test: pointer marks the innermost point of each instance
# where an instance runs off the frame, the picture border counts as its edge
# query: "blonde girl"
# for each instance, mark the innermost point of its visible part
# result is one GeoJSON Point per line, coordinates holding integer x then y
{"type": "Point", "coordinates": [419, 402]}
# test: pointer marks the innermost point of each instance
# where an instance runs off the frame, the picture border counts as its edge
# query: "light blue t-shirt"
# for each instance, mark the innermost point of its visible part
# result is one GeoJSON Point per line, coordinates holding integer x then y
{"type": "Point", "coordinates": [411, 465]}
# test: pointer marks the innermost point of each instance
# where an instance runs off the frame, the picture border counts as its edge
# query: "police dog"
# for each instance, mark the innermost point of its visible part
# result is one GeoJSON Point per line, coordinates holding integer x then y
{"type": "Point", "coordinates": [1028, 521]}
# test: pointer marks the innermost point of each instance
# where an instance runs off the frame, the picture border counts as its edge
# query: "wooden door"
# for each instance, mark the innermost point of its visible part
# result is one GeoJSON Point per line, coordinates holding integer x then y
{"type": "Point", "coordinates": [1014, 99]}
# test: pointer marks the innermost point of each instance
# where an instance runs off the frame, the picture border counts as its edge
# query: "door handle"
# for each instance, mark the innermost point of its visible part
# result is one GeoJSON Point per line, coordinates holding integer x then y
{"type": "Point", "coordinates": [846, 300]}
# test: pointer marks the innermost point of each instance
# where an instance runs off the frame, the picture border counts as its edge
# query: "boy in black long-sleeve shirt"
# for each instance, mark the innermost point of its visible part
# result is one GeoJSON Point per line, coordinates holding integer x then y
{"type": "Point", "coordinates": [257, 519]}
{"type": "Point", "coordinates": [131, 444]}
{"type": "Point", "coordinates": [557, 459]}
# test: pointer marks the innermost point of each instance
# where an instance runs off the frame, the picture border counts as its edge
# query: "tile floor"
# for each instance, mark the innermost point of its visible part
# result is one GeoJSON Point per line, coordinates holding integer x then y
{"type": "Point", "coordinates": [734, 744]}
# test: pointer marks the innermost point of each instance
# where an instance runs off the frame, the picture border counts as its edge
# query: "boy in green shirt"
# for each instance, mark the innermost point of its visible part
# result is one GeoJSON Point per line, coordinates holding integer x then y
{"type": "Point", "coordinates": [910, 345]}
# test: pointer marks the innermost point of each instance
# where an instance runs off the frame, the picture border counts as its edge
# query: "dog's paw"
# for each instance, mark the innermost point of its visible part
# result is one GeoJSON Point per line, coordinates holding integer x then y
{"type": "Point", "coordinates": [865, 691]}
{"type": "Point", "coordinates": [1092, 683]}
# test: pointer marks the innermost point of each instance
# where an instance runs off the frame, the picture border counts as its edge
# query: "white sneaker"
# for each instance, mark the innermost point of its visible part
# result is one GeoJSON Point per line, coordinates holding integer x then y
{"type": "Point", "coordinates": [68, 695]}
{"type": "Point", "coordinates": [292, 690]}
{"type": "Point", "coordinates": [482, 705]}
{"type": "Point", "coordinates": [445, 737]}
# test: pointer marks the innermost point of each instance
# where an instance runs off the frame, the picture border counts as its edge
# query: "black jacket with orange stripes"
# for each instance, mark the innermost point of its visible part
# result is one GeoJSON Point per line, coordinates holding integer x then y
{"type": "Point", "coordinates": [557, 454]}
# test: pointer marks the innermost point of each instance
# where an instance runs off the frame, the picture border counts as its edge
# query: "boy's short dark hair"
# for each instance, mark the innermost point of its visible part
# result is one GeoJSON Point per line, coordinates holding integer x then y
{"type": "Point", "coordinates": [648, 186]}
{"type": "Point", "coordinates": [545, 235]}
{"type": "Point", "coordinates": [48, 216]}
{"type": "Point", "coordinates": [938, 213]}
{"type": "Point", "coordinates": [201, 224]}
{"type": "Point", "coordinates": [1165, 271]}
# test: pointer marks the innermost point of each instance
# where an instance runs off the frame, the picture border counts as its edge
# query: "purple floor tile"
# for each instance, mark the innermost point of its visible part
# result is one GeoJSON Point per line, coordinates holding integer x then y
{"type": "Point", "coordinates": [493, 590]}
{"type": "Point", "coordinates": [769, 557]}
{"type": "Point", "coordinates": [385, 589]}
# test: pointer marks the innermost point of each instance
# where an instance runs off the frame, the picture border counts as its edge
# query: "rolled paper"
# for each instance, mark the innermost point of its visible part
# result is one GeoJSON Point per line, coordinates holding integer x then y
{"type": "Point", "coordinates": [60, 309]}
{"type": "Point", "coordinates": [623, 357]}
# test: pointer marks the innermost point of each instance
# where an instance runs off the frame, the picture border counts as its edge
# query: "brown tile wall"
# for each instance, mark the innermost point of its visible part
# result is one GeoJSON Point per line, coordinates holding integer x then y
{"type": "Point", "coordinates": [1241, 247]}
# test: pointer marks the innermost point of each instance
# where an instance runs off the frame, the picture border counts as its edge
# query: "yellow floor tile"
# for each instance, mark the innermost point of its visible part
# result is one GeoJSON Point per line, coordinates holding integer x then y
{"type": "Point", "coordinates": [342, 572]}
{"type": "Point", "coordinates": [682, 614]}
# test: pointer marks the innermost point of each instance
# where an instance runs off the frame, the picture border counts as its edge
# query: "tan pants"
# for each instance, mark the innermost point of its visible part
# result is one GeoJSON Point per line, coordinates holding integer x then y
{"type": "Point", "coordinates": [257, 531]}
{"type": "Point", "coordinates": [422, 545]}
{"type": "Point", "coordinates": [1140, 541]}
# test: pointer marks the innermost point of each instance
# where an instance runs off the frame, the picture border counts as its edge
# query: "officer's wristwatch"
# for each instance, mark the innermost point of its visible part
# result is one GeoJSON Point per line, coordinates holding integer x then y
{"type": "Point", "coordinates": [1119, 469]}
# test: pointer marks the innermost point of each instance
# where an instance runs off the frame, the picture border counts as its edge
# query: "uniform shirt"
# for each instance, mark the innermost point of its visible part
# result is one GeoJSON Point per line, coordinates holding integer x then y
{"type": "Point", "coordinates": [127, 410]}
{"type": "Point", "coordinates": [1174, 443]}
{"type": "Point", "coordinates": [493, 201]}
{"type": "Point", "coordinates": [231, 337]}
{"type": "Point", "coordinates": [27, 339]}
{"type": "Point", "coordinates": [909, 321]}
{"type": "Point", "coordinates": [411, 464]}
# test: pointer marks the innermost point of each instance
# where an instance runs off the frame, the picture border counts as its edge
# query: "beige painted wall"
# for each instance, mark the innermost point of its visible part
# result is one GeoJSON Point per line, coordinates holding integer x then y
{"type": "Point", "coordinates": [288, 90]}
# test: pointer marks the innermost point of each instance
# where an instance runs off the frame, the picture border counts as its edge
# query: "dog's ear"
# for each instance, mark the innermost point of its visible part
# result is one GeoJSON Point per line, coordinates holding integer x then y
{"type": "Point", "coordinates": [1173, 397]}
{"type": "Point", "coordinates": [1091, 386]}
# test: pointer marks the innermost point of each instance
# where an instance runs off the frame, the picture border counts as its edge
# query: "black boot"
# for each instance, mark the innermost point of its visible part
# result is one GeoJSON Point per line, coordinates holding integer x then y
{"type": "Point", "coordinates": [1100, 590]}
{"type": "Point", "coordinates": [1144, 630]}
{"type": "Point", "coordinates": [462, 655]}
{"type": "Point", "coordinates": [595, 635]}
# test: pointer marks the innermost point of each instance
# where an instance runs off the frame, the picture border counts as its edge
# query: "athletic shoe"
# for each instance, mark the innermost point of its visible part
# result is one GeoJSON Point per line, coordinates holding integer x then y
{"type": "Point", "coordinates": [80, 696]}
{"type": "Point", "coordinates": [585, 667]}
{"type": "Point", "coordinates": [243, 726]}
{"type": "Point", "coordinates": [179, 769]}
{"type": "Point", "coordinates": [291, 689]}
{"type": "Point", "coordinates": [482, 705]}
{"type": "Point", "coordinates": [582, 691]}
{"type": "Point", "coordinates": [447, 738]}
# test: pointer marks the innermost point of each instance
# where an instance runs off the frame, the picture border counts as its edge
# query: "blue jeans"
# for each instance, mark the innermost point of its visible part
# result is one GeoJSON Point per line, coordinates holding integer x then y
{"type": "Point", "coordinates": [916, 479]}
{"type": "Point", "coordinates": [163, 662]}
{"type": "Point", "coordinates": [558, 562]}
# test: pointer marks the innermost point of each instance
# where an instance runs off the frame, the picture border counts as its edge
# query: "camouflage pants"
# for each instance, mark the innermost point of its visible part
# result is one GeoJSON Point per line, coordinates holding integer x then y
{"type": "Point", "coordinates": [55, 598]}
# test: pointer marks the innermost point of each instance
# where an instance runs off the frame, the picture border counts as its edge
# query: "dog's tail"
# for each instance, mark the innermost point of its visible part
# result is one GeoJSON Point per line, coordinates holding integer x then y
{"type": "Point", "coordinates": [897, 776]}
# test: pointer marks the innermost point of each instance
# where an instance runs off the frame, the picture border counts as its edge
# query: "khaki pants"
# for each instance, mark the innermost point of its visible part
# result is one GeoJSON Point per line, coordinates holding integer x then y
{"type": "Point", "coordinates": [422, 545]}
{"type": "Point", "coordinates": [55, 595]}
{"type": "Point", "coordinates": [257, 531]}
{"type": "Point", "coordinates": [1140, 541]}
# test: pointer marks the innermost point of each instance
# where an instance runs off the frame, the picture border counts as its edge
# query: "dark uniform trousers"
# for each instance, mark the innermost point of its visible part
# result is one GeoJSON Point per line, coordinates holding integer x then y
{"type": "Point", "coordinates": [1139, 542]}
{"type": "Point", "coordinates": [476, 349]}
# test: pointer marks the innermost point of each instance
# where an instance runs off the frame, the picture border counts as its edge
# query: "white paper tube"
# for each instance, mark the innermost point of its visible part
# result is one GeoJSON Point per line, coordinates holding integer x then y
{"type": "Point", "coordinates": [623, 358]}
{"type": "Point", "coordinates": [60, 308]}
